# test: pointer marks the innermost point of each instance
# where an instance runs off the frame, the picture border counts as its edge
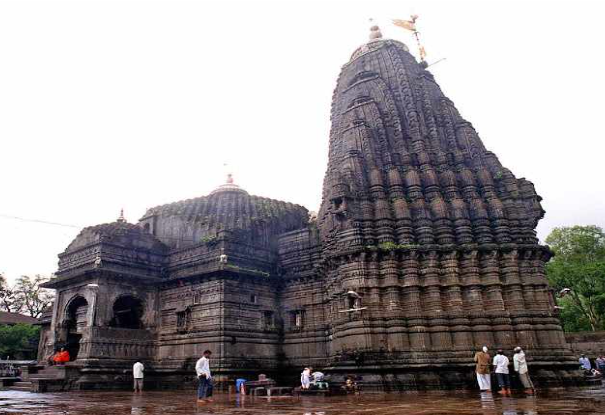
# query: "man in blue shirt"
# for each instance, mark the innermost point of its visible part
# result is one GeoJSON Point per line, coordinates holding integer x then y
{"type": "Point", "coordinates": [585, 362]}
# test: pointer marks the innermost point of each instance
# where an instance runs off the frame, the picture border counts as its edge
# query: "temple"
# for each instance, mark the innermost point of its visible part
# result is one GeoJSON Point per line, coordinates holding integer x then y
{"type": "Point", "coordinates": [424, 249]}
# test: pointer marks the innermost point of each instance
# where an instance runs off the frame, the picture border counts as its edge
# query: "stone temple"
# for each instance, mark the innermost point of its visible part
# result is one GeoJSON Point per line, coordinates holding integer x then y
{"type": "Point", "coordinates": [424, 249]}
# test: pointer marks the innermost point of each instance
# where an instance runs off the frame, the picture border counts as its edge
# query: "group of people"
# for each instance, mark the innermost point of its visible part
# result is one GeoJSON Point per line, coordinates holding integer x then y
{"type": "Point", "coordinates": [309, 378]}
{"type": "Point", "coordinates": [500, 363]}
{"type": "Point", "coordinates": [586, 365]}
{"type": "Point", "coordinates": [202, 371]}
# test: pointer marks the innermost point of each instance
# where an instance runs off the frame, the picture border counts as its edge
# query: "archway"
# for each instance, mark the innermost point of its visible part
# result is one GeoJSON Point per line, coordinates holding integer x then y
{"type": "Point", "coordinates": [127, 313]}
{"type": "Point", "coordinates": [76, 318]}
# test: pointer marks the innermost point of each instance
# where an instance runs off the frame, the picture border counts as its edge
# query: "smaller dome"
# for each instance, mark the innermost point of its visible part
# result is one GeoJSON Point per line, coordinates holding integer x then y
{"type": "Point", "coordinates": [119, 233]}
{"type": "Point", "coordinates": [229, 186]}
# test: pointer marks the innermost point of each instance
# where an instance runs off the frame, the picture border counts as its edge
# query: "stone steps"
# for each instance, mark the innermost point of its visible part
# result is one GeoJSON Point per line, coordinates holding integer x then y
{"type": "Point", "coordinates": [49, 372]}
{"type": "Point", "coordinates": [21, 386]}
{"type": "Point", "coordinates": [37, 377]}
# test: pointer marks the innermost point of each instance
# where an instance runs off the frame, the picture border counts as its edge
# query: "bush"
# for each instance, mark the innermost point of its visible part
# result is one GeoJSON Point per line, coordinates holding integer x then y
{"type": "Point", "coordinates": [14, 340]}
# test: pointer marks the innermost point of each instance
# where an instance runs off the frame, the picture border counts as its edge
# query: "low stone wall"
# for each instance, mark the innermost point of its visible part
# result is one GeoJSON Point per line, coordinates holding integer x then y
{"type": "Point", "coordinates": [591, 343]}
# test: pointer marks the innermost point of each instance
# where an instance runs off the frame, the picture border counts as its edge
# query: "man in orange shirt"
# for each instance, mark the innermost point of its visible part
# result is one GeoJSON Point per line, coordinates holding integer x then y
{"type": "Point", "coordinates": [61, 357]}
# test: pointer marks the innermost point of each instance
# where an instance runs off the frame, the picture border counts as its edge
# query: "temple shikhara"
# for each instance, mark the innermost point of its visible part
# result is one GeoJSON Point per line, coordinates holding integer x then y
{"type": "Point", "coordinates": [423, 251]}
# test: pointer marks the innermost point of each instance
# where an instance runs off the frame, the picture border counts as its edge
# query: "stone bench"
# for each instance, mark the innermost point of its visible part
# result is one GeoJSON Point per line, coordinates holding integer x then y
{"type": "Point", "coordinates": [279, 390]}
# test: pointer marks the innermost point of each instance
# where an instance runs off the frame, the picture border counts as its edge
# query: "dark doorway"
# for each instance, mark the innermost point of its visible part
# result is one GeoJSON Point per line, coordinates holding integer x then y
{"type": "Point", "coordinates": [77, 313]}
{"type": "Point", "coordinates": [127, 313]}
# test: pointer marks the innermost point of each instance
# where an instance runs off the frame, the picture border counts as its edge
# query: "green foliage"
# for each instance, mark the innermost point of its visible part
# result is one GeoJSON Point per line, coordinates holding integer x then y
{"type": "Point", "coordinates": [390, 246]}
{"type": "Point", "coordinates": [14, 339]}
{"type": "Point", "coordinates": [209, 240]}
{"type": "Point", "coordinates": [579, 264]}
{"type": "Point", "coordinates": [387, 246]}
{"type": "Point", "coordinates": [25, 296]}
{"type": "Point", "coordinates": [571, 319]}
{"type": "Point", "coordinates": [253, 271]}
{"type": "Point", "coordinates": [34, 298]}
{"type": "Point", "coordinates": [578, 243]}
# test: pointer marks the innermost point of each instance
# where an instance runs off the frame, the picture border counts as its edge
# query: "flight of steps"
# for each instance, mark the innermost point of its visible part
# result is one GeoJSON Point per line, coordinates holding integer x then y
{"type": "Point", "coordinates": [45, 373]}
{"type": "Point", "coordinates": [21, 386]}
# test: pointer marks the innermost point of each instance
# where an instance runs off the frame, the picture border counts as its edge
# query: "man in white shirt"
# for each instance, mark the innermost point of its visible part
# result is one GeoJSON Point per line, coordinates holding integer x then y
{"type": "Point", "coordinates": [305, 378]}
{"type": "Point", "coordinates": [202, 369]}
{"type": "Point", "coordinates": [501, 364]}
{"type": "Point", "coordinates": [521, 368]}
{"type": "Point", "coordinates": [137, 374]}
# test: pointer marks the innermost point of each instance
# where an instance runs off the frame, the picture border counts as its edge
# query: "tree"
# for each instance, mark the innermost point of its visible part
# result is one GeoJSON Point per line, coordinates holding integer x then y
{"type": "Point", "coordinates": [8, 299]}
{"type": "Point", "coordinates": [33, 298]}
{"type": "Point", "coordinates": [577, 271]}
{"type": "Point", "coordinates": [16, 340]}
{"type": "Point", "coordinates": [25, 296]}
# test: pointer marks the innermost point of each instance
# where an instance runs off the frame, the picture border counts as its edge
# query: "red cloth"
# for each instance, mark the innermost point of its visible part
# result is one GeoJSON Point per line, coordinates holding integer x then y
{"type": "Point", "coordinates": [61, 357]}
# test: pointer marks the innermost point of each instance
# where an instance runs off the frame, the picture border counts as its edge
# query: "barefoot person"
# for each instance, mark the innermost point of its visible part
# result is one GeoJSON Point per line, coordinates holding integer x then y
{"type": "Point", "coordinates": [137, 374]}
{"type": "Point", "coordinates": [202, 369]}
{"type": "Point", "coordinates": [482, 359]}
{"type": "Point", "coordinates": [501, 364]}
{"type": "Point", "coordinates": [521, 368]}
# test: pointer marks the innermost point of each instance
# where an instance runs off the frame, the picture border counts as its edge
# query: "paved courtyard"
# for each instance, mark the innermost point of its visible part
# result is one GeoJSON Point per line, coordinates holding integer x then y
{"type": "Point", "coordinates": [551, 402]}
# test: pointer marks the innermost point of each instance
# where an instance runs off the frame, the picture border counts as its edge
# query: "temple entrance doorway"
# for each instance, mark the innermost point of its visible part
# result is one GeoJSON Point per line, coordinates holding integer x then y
{"type": "Point", "coordinates": [76, 319]}
{"type": "Point", "coordinates": [127, 313]}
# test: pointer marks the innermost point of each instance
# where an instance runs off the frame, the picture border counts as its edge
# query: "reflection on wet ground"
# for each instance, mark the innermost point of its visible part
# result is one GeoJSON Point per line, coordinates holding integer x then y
{"type": "Point", "coordinates": [551, 402]}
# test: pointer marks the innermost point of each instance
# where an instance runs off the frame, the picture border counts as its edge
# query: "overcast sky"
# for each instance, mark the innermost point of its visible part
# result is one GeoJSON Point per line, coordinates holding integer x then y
{"type": "Point", "coordinates": [111, 104]}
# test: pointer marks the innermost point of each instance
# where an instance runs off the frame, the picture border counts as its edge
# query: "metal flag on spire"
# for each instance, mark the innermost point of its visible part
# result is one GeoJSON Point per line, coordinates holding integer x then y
{"type": "Point", "coordinates": [411, 26]}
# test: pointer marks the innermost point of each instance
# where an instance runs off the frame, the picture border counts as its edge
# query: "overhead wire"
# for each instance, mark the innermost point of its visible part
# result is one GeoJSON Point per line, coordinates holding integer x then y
{"type": "Point", "coordinates": [38, 221]}
{"type": "Point", "coordinates": [45, 222]}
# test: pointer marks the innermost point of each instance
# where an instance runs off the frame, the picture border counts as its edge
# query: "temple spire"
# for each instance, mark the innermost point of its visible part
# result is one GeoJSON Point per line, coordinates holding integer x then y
{"type": "Point", "coordinates": [122, 219]}
{"type": "Point", "coordinates": [228, 186]}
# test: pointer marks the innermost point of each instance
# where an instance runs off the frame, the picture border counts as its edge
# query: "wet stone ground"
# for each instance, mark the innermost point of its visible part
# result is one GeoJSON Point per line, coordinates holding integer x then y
{"type": "Point", "coordinates": [551, 402]}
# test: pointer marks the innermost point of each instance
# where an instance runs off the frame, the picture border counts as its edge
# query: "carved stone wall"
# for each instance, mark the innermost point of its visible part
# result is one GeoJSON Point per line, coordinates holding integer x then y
{"type": "Point", "coordinates": [433, 236]}
{"type": "Point", "coordinates": [590, 343]}
{"type": "Point", "coordinates": [423, 251]}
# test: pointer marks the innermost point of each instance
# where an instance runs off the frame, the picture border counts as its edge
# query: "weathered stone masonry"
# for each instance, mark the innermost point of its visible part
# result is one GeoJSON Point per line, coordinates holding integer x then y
{"type": "Point", "coordinates": [424, 249]}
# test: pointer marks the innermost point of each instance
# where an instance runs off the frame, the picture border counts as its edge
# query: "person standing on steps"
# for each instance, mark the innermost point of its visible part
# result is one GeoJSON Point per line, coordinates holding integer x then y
{"type": "Point", "coordinates": [501, 364]}
{"type": "Point", "coordinates": [482, 358]}
{"type": "Point", "coordinates": [202, 369]}
{"type": "Point", "coordinates": [521, 368]}
{"type": "Point", "coordinates": [137, 374]}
